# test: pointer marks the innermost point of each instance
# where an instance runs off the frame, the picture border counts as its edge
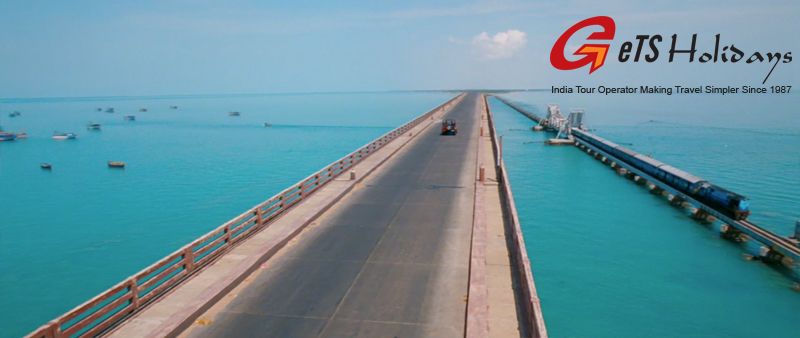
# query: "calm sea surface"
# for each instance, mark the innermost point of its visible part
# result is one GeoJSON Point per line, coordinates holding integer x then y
{"type": "Point", "coordinates": [612, 260]}
{"type": "Point", "coordinates": [68, 234]}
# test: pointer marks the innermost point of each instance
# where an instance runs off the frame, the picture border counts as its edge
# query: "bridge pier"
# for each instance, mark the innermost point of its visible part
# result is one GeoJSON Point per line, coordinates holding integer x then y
{"type": "Point", "coordinates": [675, 201]}
{"type": "Point", "coordinates": [731, 233]}
{"type": "Point", "coordinates": [768, 255]}
{"type": "Point", "coordinates": [700, 214]}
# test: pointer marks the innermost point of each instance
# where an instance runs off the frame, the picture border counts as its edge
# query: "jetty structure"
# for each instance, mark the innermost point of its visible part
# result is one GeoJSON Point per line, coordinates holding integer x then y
{"type": "Point", "coordinates": [415, 234]}
{"type": "Point", "coordinates": [773, 249]}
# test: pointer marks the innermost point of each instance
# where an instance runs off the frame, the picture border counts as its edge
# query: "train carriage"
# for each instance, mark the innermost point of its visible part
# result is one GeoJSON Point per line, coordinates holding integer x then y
{"type": "Point", "coordinates": [720, 199]}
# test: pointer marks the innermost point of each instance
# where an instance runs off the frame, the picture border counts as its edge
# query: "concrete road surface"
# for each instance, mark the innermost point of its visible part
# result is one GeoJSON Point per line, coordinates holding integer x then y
{"type": "Point", "coordinates": [390, 260]}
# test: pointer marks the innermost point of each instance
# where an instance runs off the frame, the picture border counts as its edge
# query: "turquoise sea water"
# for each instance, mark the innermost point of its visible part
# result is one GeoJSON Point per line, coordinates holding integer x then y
{"type": "Point", "coordinates": [69, 234]}
{"type": "Point", "coordinates": [612, 260]}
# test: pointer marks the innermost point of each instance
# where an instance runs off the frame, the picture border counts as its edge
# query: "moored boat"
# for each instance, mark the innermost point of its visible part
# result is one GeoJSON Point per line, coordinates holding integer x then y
{"type": "Point", "coordinates": [234, 113]}
{"type": "Point", "coordinates": [46, 166]}
{"type": "Point", "coordinates": [110, 110]}
{"type": "Point", "coordinates": [267, 124]}
{"type": "Point", "coordinates": [130, 118]}
{"type": "Point", "coordinates": [22, 135]}
{"type": "Point", "coordinates": [7, 136]}
{"type": "Point", "coordinates": [64, 136]}
{"type": "Point", "coordinates": [93, 126]}
{"type": "Point", "coordinates": [116, 164]}
{"type": "Point", "coordinates": [142, 109]}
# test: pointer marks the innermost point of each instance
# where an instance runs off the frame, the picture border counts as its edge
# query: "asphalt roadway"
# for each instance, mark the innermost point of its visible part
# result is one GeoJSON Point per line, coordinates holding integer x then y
{"type": "Point", "coordinates": [389, 260]}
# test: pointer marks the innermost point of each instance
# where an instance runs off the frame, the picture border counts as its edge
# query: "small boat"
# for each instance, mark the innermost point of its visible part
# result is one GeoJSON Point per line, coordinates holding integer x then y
{"type": "Point", "coordinates": [64, 136]}
{"type": "Point", "coordinates": [46, 166]}
{"type": "Point", "coordinates": [93, 126]}
{"type": "Point", "coordinates": [234, 113]}
{"type": "Point", "coordinates": [130, 118]}
{"type": "Point", "coordinates": [116, 164]}
{"type": "Point", "coordinates": [99, 109]}
{"type": "Point", "coordinates": [173, 107]}
{"type": "Point", "coordinates": [22, 135]}
{"type": "Point", "coordinates": [267, 124]}
{"type": "Point", "coordinates": [7, 136]}
{"type": "Point", "coordinates": [14, 114]}
{"type": "Point", "coordinates": [142, 109]}
{"type": "Point", "coordinates": [109, 110]}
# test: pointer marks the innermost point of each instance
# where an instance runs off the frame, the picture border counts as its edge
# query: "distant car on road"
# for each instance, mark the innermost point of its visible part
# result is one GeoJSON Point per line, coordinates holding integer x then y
{"type": "Point", "coordinates": [449, 127]}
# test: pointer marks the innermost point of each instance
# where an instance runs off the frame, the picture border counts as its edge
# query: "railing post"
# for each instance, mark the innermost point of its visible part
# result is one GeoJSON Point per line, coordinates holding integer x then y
{"type": "Point", "coordinates": [258, 217]}
{"type": "Point", "coordinates": [227, 233]}
{"type": "Point", "coordinates": [133, 288]}
{"type": "Point", "coordinates": [53, 330]}
{"type": "Point", "coordinates": [188, 258]}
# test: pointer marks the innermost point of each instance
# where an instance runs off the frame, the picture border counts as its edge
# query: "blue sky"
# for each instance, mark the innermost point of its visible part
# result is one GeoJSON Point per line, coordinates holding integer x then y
{"type": "Point", "coordinates": [88, 48]}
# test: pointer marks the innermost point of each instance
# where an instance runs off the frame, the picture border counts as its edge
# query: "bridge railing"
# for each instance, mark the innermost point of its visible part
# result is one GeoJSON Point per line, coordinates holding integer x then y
{"type": "Point", "coordinates": [134, 293]}
{"type": "Point", "coordinates": [533, 307]}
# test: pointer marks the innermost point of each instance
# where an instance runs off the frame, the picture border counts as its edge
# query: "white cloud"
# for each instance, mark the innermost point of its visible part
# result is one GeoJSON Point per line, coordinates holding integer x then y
{"type": "Point", "coordinates": [502, 45]}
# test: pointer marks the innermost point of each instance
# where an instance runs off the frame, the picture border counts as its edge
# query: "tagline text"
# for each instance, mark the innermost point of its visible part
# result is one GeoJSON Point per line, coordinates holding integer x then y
{"type": "Point", "coordinates": [670, 90]}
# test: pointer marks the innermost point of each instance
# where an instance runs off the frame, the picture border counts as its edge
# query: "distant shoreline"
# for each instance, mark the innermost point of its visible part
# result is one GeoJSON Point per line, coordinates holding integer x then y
{"type": "Point", "coordinates": [209, 96]}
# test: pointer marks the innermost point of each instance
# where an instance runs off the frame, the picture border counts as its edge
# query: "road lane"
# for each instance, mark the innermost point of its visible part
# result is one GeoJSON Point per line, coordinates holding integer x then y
{"type": "Point", "coordinates": [391, 259]}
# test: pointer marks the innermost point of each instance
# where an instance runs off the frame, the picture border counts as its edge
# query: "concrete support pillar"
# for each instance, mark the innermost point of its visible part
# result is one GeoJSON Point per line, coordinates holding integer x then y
{"type": "Point", "coordinates": [352, 175]}
{"type": "Point", "coordinates": [703, 216]}
{"type": "Point", "coordinates": [482, 174]}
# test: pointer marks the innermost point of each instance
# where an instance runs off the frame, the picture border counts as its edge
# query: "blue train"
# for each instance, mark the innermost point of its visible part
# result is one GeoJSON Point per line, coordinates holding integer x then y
{"type": "Point", "coordinates": [725, 201]}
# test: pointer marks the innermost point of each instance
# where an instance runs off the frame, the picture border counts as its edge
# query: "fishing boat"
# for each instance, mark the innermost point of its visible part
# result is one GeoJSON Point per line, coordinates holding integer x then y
{"type": "Point", "coordinates": [116, 164]}
{"type": "Point", "coordinates": [46, 166]}
{"type": "Point", "coordinates": [7, 136]}
{"type": "Point", "coordinates": [109, 110]}
{"type": "Point", "coordinates": [64, 136]}
{"type": "Point", "coordinates": [93, 126]}
{"type": "Point", "coordinates": [130, 118]}
{"type": "Point", "coordinates": [234, 113]}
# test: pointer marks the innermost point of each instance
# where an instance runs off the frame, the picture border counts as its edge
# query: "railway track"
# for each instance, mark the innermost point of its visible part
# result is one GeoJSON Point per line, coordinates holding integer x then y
{"type": "Point", "coordinates": [783, 242]}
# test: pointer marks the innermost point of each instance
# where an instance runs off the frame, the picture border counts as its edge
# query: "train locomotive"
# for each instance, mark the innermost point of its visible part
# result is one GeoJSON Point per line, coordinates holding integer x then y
{"type": "Point", "coordinates": [725, 201]}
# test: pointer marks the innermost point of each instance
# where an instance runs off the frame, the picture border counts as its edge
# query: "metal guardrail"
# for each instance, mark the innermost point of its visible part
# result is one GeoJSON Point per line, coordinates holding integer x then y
{"type": "Point", "coordinates": [536, 326]}
{"type": "Point", "coordinates": [134, 293]}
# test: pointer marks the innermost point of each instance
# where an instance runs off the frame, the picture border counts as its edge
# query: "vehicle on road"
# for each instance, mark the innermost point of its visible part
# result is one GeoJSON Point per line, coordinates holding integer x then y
{"type": "Point", "coordinates": [449, 127]}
